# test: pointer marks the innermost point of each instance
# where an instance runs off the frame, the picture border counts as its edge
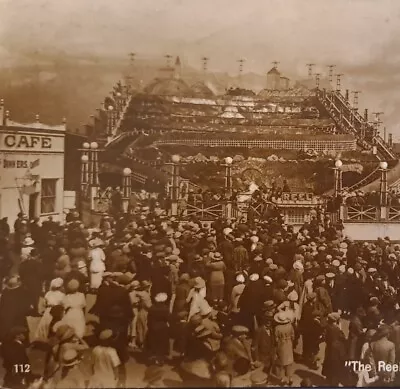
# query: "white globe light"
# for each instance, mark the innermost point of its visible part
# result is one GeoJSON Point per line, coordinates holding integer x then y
{"type": "Point", "coordinates": [86, 145]}
{"type": "Point", "coordinates": [176, 158]}
{"type": "Point", "coordinates": [383, 165]}
{"type": "Point", "coordinates": [127, 172]}
{"type": "Point", "coordinates": [94, 145]}
{"type": "Point", "coordinates": [228, 160]}
{"type": "Point", "coordinates": [110, 107]}
{"type": "Point", "coordinates": [119, 94]}
{"type": "Point", "coordinates": [85, 159]}
{"type": "Point", "coordinates": [338, 164]}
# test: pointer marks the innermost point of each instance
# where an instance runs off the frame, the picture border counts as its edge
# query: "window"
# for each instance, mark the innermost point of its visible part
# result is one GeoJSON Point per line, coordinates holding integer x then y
{"type": "Point", "coordinates": [296, 216]}
{"type": "Point", "coordinates": [48, 196]}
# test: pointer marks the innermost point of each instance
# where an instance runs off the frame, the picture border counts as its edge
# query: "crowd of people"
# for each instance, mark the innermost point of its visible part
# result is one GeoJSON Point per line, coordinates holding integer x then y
{"type": "Point", "coordinates": [234, 303]}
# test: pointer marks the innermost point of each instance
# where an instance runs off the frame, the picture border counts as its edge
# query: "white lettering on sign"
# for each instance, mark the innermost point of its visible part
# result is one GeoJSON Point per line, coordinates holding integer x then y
{"type": "Point", "coordinates": [297, 196]}
{"type": "Point", "coordinates": [12, 141]}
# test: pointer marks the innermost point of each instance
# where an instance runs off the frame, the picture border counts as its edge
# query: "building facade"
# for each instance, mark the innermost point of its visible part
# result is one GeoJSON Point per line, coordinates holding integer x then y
{"type": "Point", "coordinates": [31, 169]}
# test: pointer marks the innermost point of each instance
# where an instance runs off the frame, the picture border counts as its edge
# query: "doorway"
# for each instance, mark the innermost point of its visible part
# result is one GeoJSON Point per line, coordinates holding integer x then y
{"type": "Point", "coordinates": [32, 213]}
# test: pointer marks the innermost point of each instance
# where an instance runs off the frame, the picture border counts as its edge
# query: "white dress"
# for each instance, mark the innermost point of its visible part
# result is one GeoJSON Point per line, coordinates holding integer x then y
{"type": "Point", "coordinates": [97, 267]}
{"type": "Point", "coordinates": [105, 360]}
{"type": "Point", "coordinates": [52, 298]}
{"type": "Point", "coordinates": [74, 305]}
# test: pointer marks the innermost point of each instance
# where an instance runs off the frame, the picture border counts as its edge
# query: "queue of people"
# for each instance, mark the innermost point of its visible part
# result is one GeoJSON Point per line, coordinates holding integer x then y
{"type": "Point", "coordinates": [234, 303]}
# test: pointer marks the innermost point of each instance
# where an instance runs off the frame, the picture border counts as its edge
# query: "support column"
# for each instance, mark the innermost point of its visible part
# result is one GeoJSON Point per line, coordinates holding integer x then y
{"type": "Point", "coordinates": [175, 185]}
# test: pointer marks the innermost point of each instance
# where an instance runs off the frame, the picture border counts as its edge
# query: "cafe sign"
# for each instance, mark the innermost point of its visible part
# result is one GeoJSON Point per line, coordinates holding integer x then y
{"type": "Point", "coordinates": [21, 142]}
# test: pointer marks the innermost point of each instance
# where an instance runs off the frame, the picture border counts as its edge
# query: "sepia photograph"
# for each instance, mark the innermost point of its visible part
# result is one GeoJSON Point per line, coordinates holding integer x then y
{"type": "Point", "coordinates": [199, 193]}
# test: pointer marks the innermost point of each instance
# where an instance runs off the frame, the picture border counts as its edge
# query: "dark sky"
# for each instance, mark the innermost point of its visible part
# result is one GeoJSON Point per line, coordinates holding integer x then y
{"type": "Point", "coordinates": [361, 36]}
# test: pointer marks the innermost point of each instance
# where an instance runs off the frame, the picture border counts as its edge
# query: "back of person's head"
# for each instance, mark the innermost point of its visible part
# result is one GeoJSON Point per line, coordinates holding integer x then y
{"type": "Point", "coordinates": [306, 383]}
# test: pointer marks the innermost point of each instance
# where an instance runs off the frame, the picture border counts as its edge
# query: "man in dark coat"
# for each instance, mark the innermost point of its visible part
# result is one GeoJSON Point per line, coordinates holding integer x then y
{"type": "Point", "coordinates": [113, 307]}
{"type": "Point", "coordinates": [356, 334]}
{"type": "Point", "coordinates": [15, 359]}
{"type": "Point", "coordinates": [311, 331]}
{"type": "Point", "coordinates": [264, 342]}
{"type": "Point", "coordinates": [14, 306]}
{"type": "Point", "coordinates": [31, 273]}
{"type": "Point", "coordinates": [158, 329]}
{"type": "Point", "coordinates": [335, 353]}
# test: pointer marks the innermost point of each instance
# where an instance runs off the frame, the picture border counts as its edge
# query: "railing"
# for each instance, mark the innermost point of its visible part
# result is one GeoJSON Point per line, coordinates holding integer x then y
{"type": "Point", "coordinates": [203, 212]}
{"type": "Point", "coordinates": [364, 213]}
{"type": "Point", "coordinates": [393, 213]}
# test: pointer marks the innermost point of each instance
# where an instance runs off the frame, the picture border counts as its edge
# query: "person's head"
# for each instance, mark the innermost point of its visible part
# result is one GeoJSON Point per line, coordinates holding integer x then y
{"type": "Point", "coordinates": [57, 312]}
{"type": "Point", "coordinates": [306, 383]}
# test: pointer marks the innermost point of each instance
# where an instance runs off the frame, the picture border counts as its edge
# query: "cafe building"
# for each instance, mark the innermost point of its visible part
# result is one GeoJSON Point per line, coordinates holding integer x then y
{"type": "Point", "coordinates": [31, 169]}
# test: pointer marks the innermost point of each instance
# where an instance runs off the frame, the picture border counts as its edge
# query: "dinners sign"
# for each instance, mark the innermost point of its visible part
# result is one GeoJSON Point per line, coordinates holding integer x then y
{"type": "Point", "coordinates": [299, 196]}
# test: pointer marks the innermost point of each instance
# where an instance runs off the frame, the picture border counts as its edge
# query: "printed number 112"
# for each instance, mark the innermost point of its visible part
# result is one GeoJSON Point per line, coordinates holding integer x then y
{"type": "Point", "coordinates": [22, 368]}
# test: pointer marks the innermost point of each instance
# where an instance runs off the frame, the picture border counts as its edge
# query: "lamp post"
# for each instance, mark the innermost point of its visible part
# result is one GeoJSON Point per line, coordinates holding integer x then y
{"type": "Point", "coordinates": [338, 177]}
{"type": "Point", "coordinates": [110, 120]}
{"type": "Point", "coordinates": [126, 188]}
{"type": "Point", "coordinates": [384, 185]}
{"type": "Point", "coordinates": [228, 176]}
{"type": "Point", "coordinates": [175, 184]}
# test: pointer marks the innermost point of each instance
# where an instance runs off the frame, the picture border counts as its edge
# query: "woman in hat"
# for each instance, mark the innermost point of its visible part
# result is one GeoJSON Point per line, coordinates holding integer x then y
{"type": "Point", "coordinates": [237, 291]}
{"type": "Point", "coordinates": [216, 278]}
{"type": "Point", "coordinates": [27, 246]}
{"type": "Point", "coordinates": [196, 296]}
{"type": "Point", "coordinates": [97, 264]}
{"type": "Point", "coordinates": [105, 362]}
{"type": "Point", "coordinates": [143, 310]}
{"type": "Point", "coordinates": [284, 338]}
{"type": "Point", "coordinates": [74, 303]}
{"type": "Point", "coordinates": [53, 297]}
{"type": "Point", "coordinates": [157, 340]}
{"type": "Point", "coordinates": [69, 375]}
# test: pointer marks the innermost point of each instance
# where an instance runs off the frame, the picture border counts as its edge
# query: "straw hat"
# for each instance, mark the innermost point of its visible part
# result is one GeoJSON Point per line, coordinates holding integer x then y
{"type": "Point", "coordinates": [106, 334]}
{"type": "Point", "coordinates": [334, 316]}
{"type": "Point", "coordinates": [240, 330]}
{"type": "Point", "coordinates": [57, 283]}
{"type": "Point", "coordinates": [267, 279]}
{"type": "Point", "coordinates": [28, 241]}
{"type": "Point", "coordinates": [199, 283]}
{"type": "Point", "coordinates": [70, 357]}
{"type": "Point", "coordinates": [298, 266]}
{"type": "Point", "coordinates": [161, 297]}
{"type": "Point", "coordinates": [64, 332]}
{"type": "Point", "coordinates": [72, 285]}
{"type": "Point", "coordinates": [258, 378]}
{"type": "Point", "coordinates": [240, 278]}
{"type": "Point", "coordinates": [13, 282]}
{"type": "Point", "coordinates": [281, 318]}
{"type": "Point", "coordinates": [254, 277]}
{"type": "Point", "coordinates": [293, 296]}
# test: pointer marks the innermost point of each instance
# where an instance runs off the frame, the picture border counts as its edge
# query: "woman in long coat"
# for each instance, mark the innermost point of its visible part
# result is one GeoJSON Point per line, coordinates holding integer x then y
{"type": "Point", "coordinates": [158, 329]}
{"type": "Point", "coordinates": [284, 337]}
{"type": "Point", "coordinates": [217, 279]}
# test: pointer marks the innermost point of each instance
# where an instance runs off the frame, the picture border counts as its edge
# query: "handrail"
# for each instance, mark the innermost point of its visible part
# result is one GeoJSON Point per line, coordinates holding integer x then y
{"type": "Point", "coordinates": [364, 181]}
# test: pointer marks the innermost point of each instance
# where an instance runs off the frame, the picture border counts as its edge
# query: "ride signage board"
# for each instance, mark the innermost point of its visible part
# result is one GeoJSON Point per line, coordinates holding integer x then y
{"type": "Point", "coordinates": [296, 196]}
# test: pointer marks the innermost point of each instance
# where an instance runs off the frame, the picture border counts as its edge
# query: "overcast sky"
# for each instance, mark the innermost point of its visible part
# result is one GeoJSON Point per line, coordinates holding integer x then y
{"type": "Point", "coordinates": [362, 36]}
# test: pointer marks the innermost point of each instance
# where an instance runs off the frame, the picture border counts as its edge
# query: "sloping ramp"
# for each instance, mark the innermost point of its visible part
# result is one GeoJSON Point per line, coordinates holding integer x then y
{"type": "Point", "coordinates": [393, 176]}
